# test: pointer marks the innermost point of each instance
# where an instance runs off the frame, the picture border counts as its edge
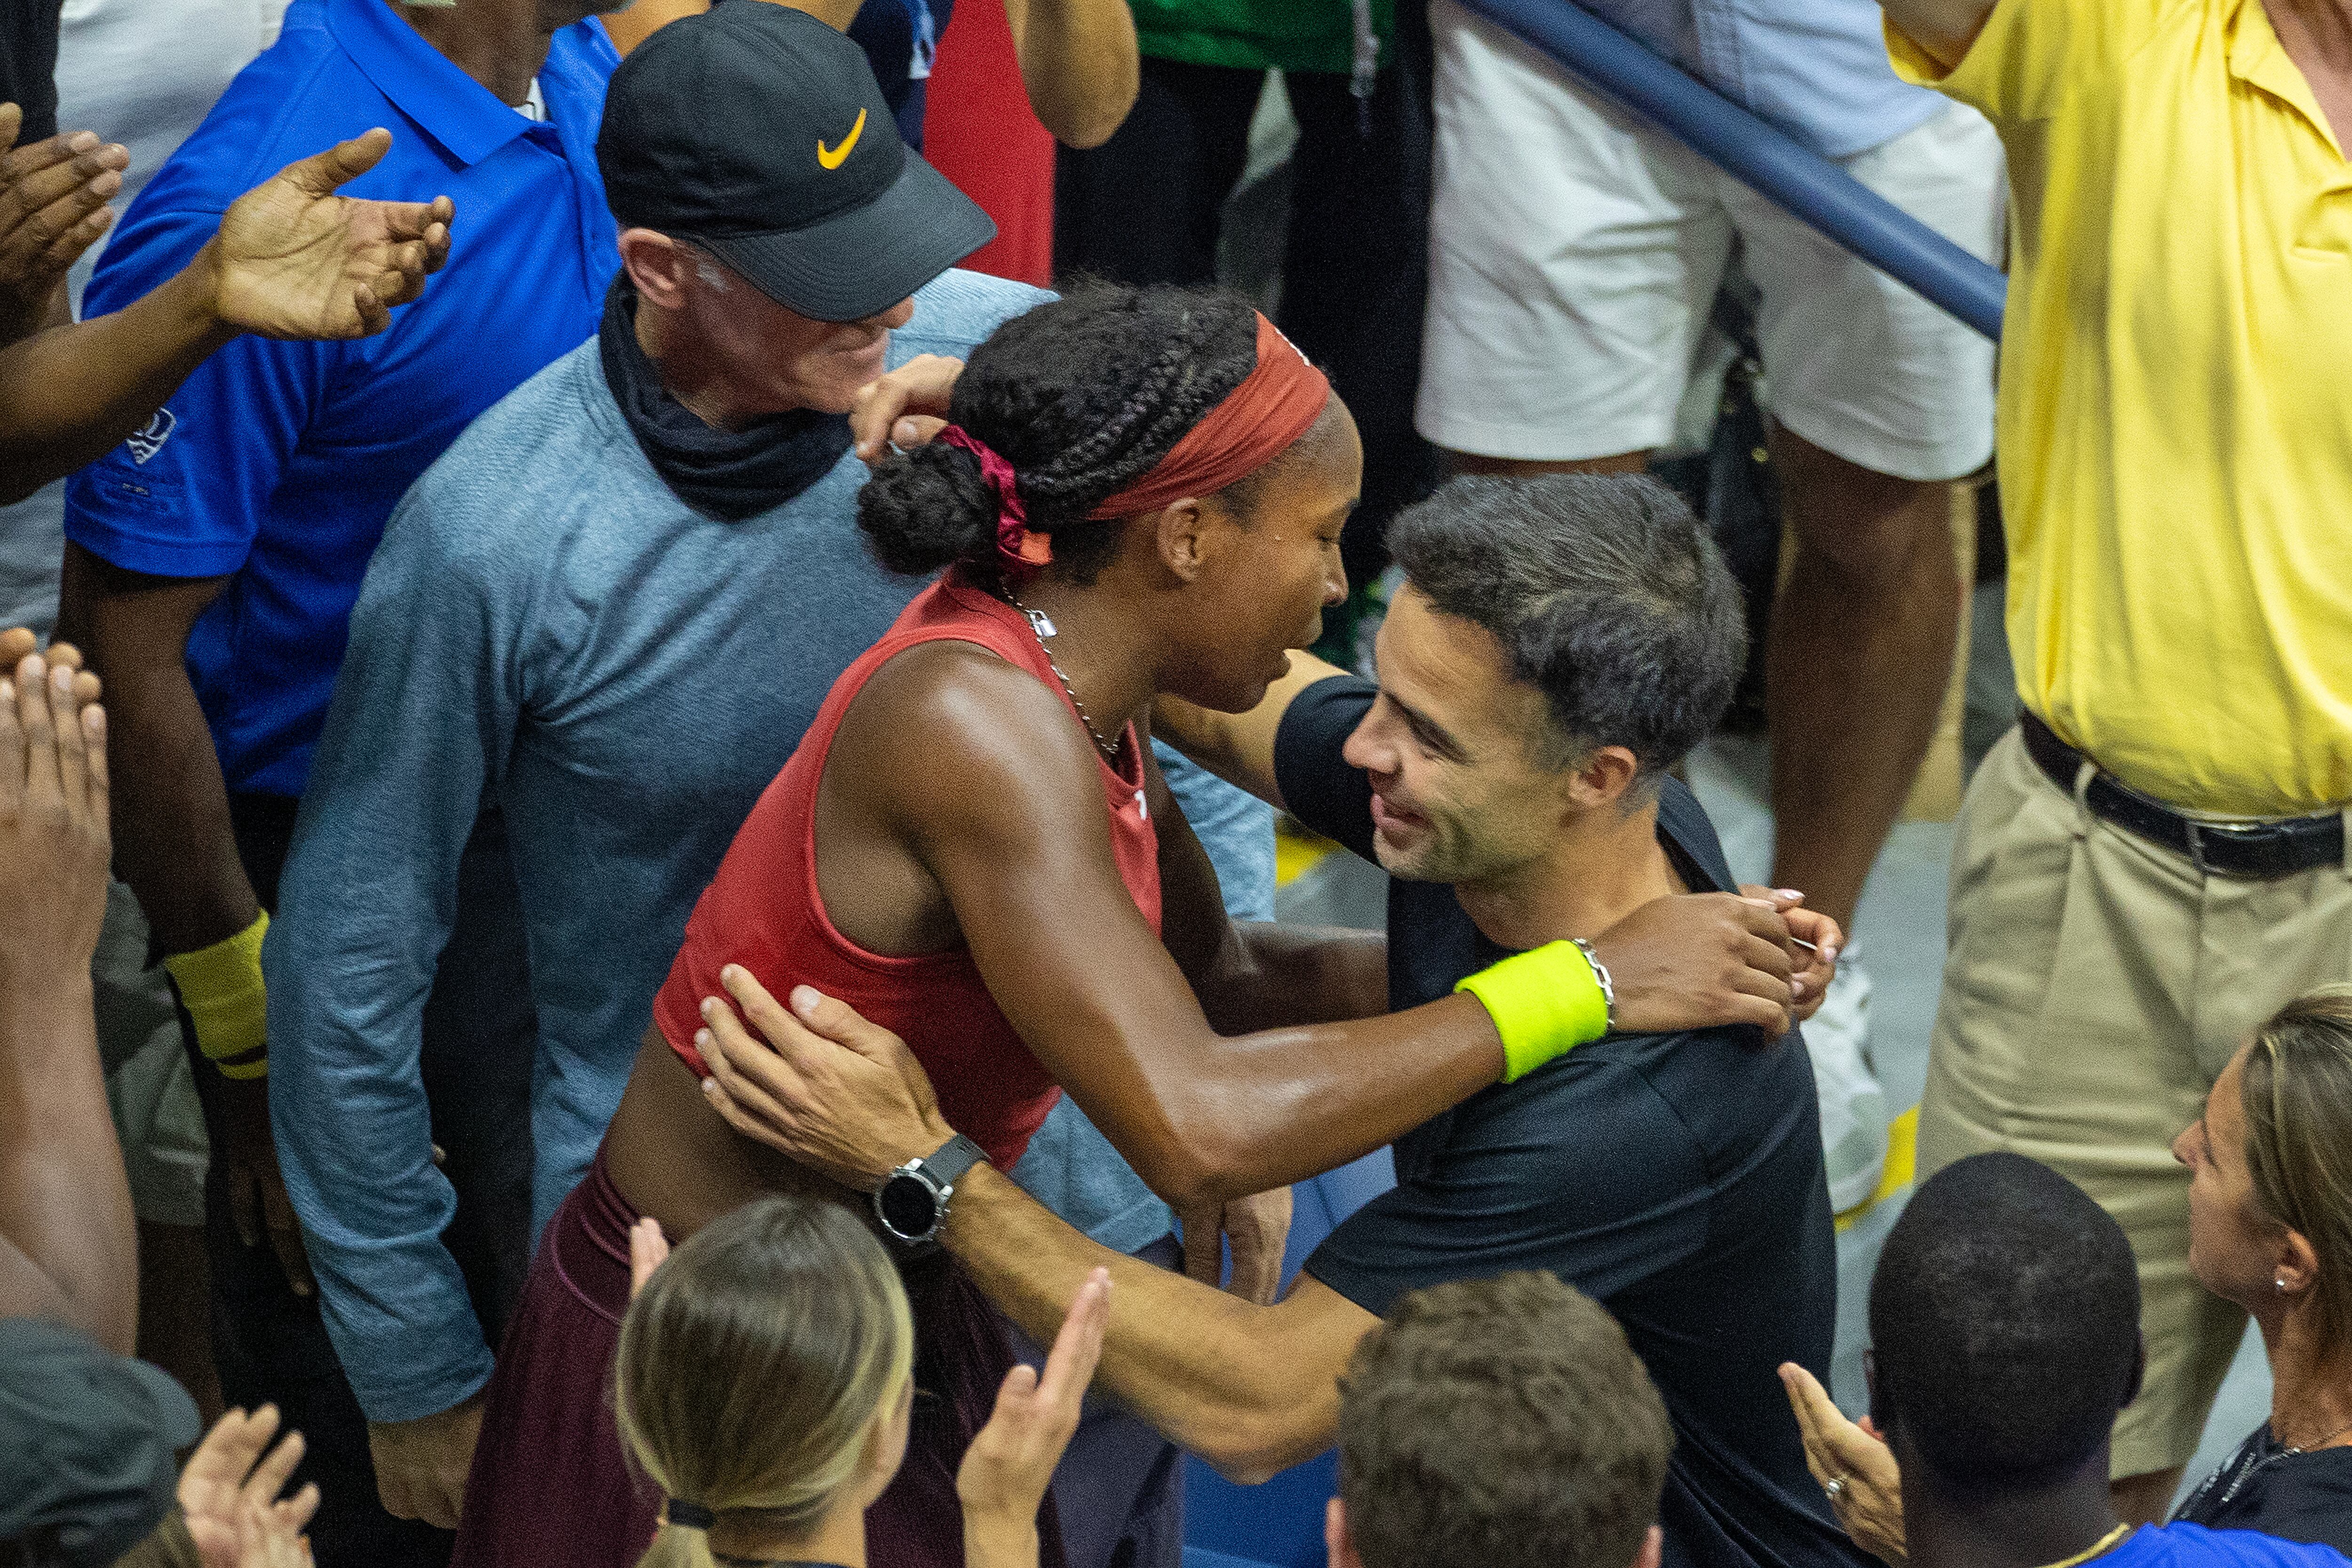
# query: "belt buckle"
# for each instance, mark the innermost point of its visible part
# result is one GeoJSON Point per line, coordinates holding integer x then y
{"type": "Point", "coordinates": [2258, 837]}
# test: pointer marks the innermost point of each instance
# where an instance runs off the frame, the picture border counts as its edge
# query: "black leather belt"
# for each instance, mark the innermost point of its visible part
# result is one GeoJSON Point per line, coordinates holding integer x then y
{"type": "Point", "coordinates": [2251, 850]}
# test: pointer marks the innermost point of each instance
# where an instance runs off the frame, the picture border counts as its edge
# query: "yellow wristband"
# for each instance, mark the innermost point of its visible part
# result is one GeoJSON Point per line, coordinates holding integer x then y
{"type": "Point", "coordinates": [222, 989]}
{"type": "Point", "coordinates": [1545, 1003]}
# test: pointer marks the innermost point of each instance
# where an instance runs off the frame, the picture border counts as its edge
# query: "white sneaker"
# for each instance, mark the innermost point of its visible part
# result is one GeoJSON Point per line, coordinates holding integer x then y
{"type": "Point", "coordinates": [1853, 1107]}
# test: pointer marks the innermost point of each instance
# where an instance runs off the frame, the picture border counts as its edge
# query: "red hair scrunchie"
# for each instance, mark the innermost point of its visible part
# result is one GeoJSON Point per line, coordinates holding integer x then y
{"type": "Point", "coordinates": [1019, 547]}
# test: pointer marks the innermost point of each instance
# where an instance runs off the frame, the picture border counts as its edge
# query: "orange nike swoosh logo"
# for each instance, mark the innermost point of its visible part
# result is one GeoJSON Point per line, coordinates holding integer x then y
{"type": "Point", "coordinates": [832, 158]}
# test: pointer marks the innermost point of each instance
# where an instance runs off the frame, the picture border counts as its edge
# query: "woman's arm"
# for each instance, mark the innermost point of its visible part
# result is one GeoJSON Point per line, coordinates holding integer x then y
{"type": "Point", "coordinates": [976, 769]}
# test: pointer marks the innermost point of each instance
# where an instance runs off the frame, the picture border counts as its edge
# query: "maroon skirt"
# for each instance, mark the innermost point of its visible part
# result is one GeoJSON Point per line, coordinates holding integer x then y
{"type": "Point", "coordinates": [550, 1485]}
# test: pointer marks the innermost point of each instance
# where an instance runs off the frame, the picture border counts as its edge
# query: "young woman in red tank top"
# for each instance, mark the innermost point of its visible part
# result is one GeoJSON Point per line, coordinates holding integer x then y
{"type": "Point", "coordinates": [1141, 492]}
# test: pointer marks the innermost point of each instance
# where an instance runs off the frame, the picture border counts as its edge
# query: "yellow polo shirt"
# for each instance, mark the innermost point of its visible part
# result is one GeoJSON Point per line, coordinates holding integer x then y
{"type": "Point", "coordinates": [2176, 395]}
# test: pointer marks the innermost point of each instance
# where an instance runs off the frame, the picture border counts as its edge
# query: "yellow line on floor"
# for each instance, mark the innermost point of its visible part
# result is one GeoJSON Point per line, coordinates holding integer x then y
{"type": "Point", "coordinates": [1297, 852]}
{"type": "Point", "coordinates": [1902, 1165]}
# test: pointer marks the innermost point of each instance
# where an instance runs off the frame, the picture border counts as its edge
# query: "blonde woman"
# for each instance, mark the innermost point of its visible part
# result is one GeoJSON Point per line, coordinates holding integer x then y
{"type": "Point", "coordinates": [2270, 1228]}
{"type": "Point", "coordinates": [765, 1384]}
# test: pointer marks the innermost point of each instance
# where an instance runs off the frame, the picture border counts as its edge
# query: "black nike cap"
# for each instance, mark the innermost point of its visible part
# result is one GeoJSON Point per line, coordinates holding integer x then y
{"type": "Point", "coordinates": [759, 134]}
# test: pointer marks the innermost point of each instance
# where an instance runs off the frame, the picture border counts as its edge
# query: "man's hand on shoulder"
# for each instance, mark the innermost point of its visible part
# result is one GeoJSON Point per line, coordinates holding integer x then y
{"type": "Point", "coordinates": [293, 259]}
{"type": "Point", "coordinates": [421, 1465]}
{"type": "Point", "coordinates": [1697, 960]}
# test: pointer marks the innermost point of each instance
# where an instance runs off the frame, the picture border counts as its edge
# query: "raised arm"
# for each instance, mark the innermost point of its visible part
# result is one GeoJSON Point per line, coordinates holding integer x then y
{"type": "Point", "coordinates": [1078, 65]}
{"type": "Point", "coordinates": [68, 1246]}
{"type": "Point", "coordinates": [1945, 29]}
{"type": "Point", "coordinates": [292, 259]}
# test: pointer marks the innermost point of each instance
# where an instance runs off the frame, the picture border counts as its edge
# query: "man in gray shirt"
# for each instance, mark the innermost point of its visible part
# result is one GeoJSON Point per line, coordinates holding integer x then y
{"type": "Point", "coordinates": [610, 610]}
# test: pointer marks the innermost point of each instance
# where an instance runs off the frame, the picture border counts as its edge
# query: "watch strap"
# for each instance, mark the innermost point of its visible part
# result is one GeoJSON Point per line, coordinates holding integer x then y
{"type": "Point", "coordinates": [947, 1164]}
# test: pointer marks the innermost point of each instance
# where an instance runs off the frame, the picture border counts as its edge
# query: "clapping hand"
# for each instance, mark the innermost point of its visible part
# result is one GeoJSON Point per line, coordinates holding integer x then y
{"type": "Point", "coordinates": [54, 840]}
{"type": "Point", "coordinates": [53, 197]}
{"type": "Point", "coordinates": [293, 259]}
{"type": "Point", "coordinates": [1868, 1493]}
{"type": "Point", "coordinates": [228, 1495]}
{"type": "Point", "coordinates": [1006, 1470]}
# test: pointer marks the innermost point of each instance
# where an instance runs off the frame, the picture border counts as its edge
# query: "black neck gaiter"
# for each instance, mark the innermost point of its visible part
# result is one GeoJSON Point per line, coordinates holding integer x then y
{"type": "Point", "coordinates": [724, 474]}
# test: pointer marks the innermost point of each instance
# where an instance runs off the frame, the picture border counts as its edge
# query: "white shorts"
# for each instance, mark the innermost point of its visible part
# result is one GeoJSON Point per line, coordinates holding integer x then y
{"type": "Point", "coordinates": [1575, 253]}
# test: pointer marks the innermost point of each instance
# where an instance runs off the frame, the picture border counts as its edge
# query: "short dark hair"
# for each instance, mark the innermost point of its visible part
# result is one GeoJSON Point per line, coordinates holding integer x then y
{"type": "Point", "coordinates": [1499, 1423]}
{"type": "Point", "coordinates": [1606, 594]}
{"type": "Point", "coordinates": [2004, 1323]}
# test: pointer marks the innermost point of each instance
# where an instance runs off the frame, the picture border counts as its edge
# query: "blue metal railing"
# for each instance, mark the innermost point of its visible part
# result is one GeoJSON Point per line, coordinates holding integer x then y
{"type": "Point", "coordinates": [1759, 155]}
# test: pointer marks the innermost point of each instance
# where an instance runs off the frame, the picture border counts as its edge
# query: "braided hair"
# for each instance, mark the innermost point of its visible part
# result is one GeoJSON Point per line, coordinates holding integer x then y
{"type": "Point", "coordinates": [1082, 395]}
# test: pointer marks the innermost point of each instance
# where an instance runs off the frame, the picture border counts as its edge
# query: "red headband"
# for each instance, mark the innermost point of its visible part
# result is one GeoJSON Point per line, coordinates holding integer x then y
{"type": "Point", "coordinates": [1256, 423]}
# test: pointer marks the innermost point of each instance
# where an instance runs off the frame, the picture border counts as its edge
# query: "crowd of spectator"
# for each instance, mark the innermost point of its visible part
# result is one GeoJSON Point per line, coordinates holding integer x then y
{"type": "Point", "coordinates": [637, 804]}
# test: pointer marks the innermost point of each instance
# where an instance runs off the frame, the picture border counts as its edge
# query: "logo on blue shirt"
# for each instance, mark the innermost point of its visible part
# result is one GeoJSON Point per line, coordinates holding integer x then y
{"type": "Point", "coordinates": [148, 438]}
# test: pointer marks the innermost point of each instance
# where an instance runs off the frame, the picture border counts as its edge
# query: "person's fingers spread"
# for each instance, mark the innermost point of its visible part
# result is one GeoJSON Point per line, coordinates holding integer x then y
{"type": "Point", "coordinates": [759, 1078]}
{"type": "Point", "coordinates": [275, 1469]}
{"type": "Point", "coordinates": [297, 1512]}
{"type": "Point", "coordinates": [16, 642]}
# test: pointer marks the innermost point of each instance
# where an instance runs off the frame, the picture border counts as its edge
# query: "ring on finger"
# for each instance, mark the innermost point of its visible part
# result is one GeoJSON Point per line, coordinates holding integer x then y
{"type": "Point", "coordinates": [1834, 1485]}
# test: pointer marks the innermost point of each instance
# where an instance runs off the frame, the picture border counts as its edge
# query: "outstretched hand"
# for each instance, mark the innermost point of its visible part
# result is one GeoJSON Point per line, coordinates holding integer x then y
{"type": "Point", "coordinates": [836, 1094]}
{"type": "Point", "coordinates": [293, 259]}
{"type": "Point", "coordinates": [1010, 1462]}
{"type": "Point", "coordinates": [1868, 1496]}
{"type": "Point", "coordinates": [228, 1495]}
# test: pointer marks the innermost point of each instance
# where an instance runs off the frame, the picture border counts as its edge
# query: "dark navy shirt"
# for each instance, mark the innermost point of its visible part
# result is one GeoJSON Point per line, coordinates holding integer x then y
{"type": "Point", "coordinates": [29, 66]}
{"type": "Point", "coordinates": [278, 462]}
{"type": "Point", "coordinates": [1676, 1178]}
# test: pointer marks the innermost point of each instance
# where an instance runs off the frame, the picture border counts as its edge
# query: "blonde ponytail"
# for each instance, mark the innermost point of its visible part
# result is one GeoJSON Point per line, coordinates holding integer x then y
{"type": "Point", "coordinates": [753, 1366]}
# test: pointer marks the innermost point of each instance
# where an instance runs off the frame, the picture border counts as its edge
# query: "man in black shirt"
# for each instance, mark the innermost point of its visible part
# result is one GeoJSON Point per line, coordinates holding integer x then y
{"type": "Point", "coordinates": [1560, 643]}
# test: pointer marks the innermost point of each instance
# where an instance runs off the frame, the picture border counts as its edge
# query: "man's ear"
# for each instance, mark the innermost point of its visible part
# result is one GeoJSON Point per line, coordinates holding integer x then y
{"type": "Point", "coordinates": [1338, 1544]}
{"type": "Point", "coordinates": [1603, 777]}
{"type": "Point", "coordinates": [1653, 1546]}
{"type": "Point", "coordinates": [1181, 524]}
{"type": "Point", "coordinates": [2140, 1369]}
{"type": "Point", "coordinates": [657, 265]}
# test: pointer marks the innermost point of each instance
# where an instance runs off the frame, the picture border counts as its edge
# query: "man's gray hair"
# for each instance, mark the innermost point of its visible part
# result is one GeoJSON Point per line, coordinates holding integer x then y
{"type": "Point", "coordinates": [1606, 594]}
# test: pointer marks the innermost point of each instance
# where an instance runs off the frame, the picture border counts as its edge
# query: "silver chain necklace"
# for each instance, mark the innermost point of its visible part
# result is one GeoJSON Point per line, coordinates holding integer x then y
{"type": "Point", "coordinates": [1041, 626]}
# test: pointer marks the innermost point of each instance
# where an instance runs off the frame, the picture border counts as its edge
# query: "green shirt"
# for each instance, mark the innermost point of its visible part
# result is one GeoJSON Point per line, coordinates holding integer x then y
{"type": "Point", "coordinates": [1259, 35]}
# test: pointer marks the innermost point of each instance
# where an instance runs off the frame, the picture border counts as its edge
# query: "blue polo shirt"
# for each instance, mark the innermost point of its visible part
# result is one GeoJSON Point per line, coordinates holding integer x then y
{"type": "Point", "coordinates": [277, 463]}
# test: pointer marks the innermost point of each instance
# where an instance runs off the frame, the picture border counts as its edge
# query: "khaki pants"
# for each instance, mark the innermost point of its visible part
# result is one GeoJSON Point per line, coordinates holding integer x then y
{"type": "Point", "coordinates": [2094, 986]}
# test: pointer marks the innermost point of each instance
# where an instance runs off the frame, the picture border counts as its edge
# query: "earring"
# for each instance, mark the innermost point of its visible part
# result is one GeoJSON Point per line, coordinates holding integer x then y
{"type": "Point", "coordinates": [2281, 1283]}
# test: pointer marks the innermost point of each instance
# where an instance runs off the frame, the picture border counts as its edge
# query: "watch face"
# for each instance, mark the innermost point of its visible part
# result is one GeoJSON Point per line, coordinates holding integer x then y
{"type": "Point", "coordinates": [908, 1206]}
